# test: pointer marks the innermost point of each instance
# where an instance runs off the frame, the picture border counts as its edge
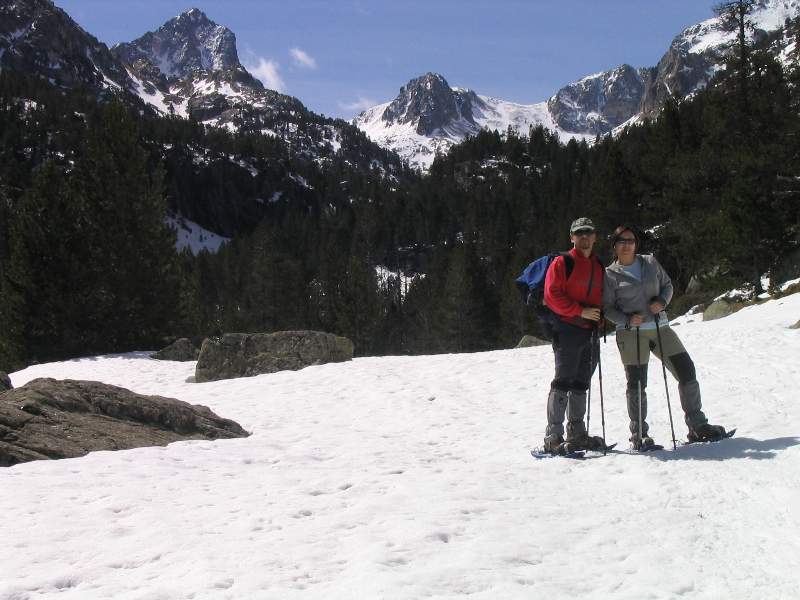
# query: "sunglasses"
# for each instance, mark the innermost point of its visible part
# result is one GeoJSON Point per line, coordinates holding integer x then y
{"type": "Point", "coordinates": [583, 232]}
{"type": "Point", "coordinates": [625, 241]}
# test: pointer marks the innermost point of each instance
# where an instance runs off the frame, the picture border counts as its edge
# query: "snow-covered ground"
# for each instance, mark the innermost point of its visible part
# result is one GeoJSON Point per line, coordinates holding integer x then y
{"type": "Point", "coordinates": [410, 477]}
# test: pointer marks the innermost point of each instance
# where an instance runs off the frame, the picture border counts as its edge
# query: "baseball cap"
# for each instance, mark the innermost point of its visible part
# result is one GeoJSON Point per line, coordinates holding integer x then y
{"type": "Point", "coordinates": [581, 223]}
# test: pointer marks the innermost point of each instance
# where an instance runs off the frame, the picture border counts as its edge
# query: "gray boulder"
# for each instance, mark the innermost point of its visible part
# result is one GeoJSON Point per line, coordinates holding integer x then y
{"type": "Point", "coordinates": [49, 419]}
{"type": "Point", "coordinates": [719, 309]}
{"type": "Point", "coordinates": [5, 382]}
{"type": "Point", "coordinates": [245, 354]}
{"type": "Point", "coordinates": [529, 341]}
{"type": "Point", "coordinates": [795, 326]}
{"type": "Point", "coordinates": [181, 350]}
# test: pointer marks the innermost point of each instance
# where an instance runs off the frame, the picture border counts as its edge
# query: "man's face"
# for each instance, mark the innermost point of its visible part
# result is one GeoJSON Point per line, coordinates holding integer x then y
{"type": "Point", "coordinates": [584, 239]}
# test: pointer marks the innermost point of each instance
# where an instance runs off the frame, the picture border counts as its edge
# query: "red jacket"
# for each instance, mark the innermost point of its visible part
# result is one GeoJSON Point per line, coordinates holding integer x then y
{"type": "Point", "coordinates": [567, 297]}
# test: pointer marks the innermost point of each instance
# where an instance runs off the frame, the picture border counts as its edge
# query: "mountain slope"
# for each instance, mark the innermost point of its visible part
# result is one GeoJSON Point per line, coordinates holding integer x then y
{"type": "Point", "coordinates": [428, 116]}
{"type": "Point", "coordinates": [189, 68]}
{"type": "Point", "coordinates": [408, 477]}
{"type": "Point", "coordinates": [37, 37]}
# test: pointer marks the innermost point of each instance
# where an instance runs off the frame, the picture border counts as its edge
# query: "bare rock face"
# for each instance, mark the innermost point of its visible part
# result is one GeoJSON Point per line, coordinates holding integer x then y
{"type": "Point", "coordinates": [190, 42]}
{"type": "Point", "coordinates": [431, 105]}
{"type": "Point", "coordinates": [37, 37]}
{"type": "Point", "coordinates": [678, 73]}
{"type": "Point", "coordinates": [598, 103]}
{"type": "Point", "coordinates": [246, 354]}
{"type": "Point", "coordinates": [5, 382]}
{"type": "Point", "coordinates": [48, 419]}
{"type": "Point", "coordinates": [181, 350]}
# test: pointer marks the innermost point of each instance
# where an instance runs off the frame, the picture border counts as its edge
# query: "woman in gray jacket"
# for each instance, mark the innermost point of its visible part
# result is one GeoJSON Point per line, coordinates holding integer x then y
{"type": "Point", "coordinates": [636, 291]}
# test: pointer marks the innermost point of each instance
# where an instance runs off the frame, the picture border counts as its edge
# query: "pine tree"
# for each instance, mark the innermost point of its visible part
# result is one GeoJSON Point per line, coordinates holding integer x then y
{"type": "Point", "coordinates": [38, 303]}
{"type": "Point", "coordinates": [132, 288]}
{"type": "Point", "coordinates": [735, 15]}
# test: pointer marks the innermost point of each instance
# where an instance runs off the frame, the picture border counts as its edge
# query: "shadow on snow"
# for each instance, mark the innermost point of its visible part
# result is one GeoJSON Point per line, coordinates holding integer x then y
{"type": "Point", "coordinates": [736, 447]}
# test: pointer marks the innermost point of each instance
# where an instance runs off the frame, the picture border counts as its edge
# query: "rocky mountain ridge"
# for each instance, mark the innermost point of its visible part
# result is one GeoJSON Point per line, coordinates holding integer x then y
{"type": "Point", "coordinates": [190, 68]}
{"type": "Point", "coordinates": [190, 42]}
{"type": "Point", "coordinates": [38, 37]}
{"type": "Point", "coordinates": [426, 118]}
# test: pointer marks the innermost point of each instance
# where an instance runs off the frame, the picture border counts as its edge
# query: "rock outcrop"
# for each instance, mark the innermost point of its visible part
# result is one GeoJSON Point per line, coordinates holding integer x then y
{"type": "Point", "coordinates": [529, 341]}
{"type": "Point", "coordinates": [719, 309]}
{"type": "Point", "coordinates": [431, 105]}
{"type": "Point", "coordinates": [181, 350]}
{"type": "Point", "coordinates": [599, 103]}
{"type": "Point", "coordinates": [5, 382]}
{"type": "Point", "coordinates": [246, 354]}
{"type": "Point", "coordinates": [49, 419]}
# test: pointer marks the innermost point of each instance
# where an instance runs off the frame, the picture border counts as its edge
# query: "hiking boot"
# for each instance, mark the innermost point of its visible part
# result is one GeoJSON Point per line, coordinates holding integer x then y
{"type": "Point", "coordinates": [576, 438]}
{"type": "Point", "coordinates": [706, 433]}
{"type": "Point", "coordinates": [552, 444]}
{"type": "Point", "coordinates": [595, 442]}
{"type": "Point", "coordinates": [641, 443]}
{"type": "Point", "coordinates": [586, 442]}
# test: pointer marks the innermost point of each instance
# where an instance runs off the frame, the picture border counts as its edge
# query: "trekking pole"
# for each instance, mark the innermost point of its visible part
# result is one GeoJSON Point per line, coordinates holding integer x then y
{"type": "Point", "coordinates": [589, 393]}
{"type": "Point", "coordinates": [602, 408]}
{"type": "Point", "coordinates": [666, 387]}
{"type": "Point", "coordinates": [639, 377]}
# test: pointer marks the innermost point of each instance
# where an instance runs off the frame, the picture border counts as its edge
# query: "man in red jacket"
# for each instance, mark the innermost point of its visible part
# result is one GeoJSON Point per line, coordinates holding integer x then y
{"type": "Point", "coordinates": [575, 302]}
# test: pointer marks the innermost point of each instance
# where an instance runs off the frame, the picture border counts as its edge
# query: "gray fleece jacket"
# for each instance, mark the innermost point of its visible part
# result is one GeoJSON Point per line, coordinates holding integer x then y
{"type": "Point", "coordinates": [624, 295]}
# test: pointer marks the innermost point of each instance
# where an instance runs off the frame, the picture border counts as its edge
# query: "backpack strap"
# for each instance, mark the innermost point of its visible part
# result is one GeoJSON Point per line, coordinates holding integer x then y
{"type": "Point", "coordinates": [569, 263]}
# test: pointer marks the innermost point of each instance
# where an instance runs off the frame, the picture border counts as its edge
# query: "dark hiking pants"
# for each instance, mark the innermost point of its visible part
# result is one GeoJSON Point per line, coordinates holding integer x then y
{"type": "Point", "coordinates": [575, 362]}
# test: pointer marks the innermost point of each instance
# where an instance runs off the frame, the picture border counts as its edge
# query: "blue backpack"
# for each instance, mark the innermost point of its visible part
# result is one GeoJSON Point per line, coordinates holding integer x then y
{"type": "Point", "coordinates": [531, 283]}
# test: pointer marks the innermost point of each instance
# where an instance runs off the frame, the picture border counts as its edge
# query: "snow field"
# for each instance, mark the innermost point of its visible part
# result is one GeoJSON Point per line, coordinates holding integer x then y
{"type": "Point", "coordinates": [410, 477]}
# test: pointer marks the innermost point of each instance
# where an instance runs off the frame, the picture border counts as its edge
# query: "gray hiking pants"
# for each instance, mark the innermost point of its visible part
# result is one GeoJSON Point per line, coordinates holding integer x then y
{"type": "Point", "coordinates": [675, 359]}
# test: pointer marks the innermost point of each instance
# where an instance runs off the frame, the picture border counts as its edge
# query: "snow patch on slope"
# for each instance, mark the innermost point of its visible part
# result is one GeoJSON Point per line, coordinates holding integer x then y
{"type": "Point", "coordinates": [769, 15]}
{"type": "Point", "coordinates": [195, 237]}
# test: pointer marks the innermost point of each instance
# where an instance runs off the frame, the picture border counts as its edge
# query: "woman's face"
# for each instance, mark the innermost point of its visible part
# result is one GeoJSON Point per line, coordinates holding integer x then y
{"type": "Point", "coordinates": [625, 246]}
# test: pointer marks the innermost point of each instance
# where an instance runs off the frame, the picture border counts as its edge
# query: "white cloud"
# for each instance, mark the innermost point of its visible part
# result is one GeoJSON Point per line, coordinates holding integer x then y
{"type": "Point", "coordinates": [360, 105]}
{"type": "Point", "coordinates": [303, 59]}
{"type": "Point", "coordinates": [267, 70]}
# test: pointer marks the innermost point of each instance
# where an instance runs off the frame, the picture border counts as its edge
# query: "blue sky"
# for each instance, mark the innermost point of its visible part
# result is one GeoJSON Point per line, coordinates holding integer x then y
{"type": "Point", "coordinates": [340, 56]}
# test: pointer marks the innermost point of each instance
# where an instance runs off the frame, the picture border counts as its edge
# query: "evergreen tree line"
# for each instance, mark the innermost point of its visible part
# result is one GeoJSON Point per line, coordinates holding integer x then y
{"type": "Point", "coordinates": [87, 265]}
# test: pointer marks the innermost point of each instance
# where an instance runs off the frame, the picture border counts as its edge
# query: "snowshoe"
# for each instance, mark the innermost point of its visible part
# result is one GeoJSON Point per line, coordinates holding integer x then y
{"type": "Point", "coordinates": [645, 444]}
{"type": "Point", "coordinates": [708, 433]}
{"type": "Point", "coordinates": [563, 450]}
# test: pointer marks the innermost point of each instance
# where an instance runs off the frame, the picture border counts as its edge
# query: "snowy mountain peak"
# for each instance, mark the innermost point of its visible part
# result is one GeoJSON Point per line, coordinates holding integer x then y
{"type": "Point", "coordinates": [429, 117]}
{"type": "Point", "coordinates": [195, 14]}
{"type": "Point", "coordinates": [183, 45]}
{"type": "Point", "coordinates": [430, 104]}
